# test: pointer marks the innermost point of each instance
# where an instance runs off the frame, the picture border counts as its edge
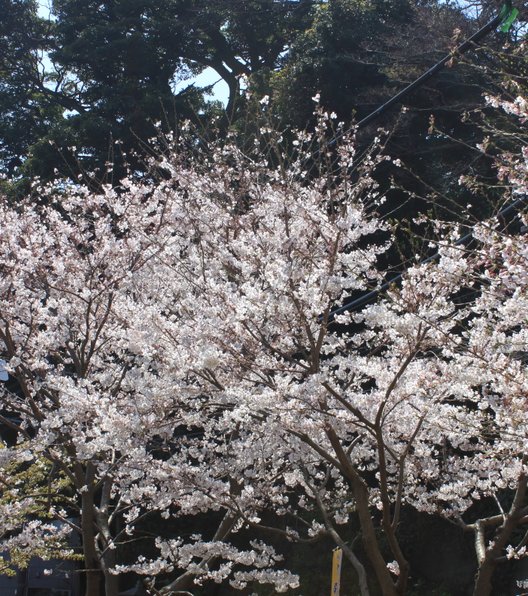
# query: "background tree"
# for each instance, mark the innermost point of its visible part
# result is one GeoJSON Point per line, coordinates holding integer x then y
{"type": "Point", "coordinates": [413, 405]}
{"type": "Point", "coordinates": [114, 71]}
{"type": "Point", "coordinates": [27, 107]}
{"type": "Point", "coordinates": [111, 73]}
{"type": "Point", "coordinates": [357, 56]}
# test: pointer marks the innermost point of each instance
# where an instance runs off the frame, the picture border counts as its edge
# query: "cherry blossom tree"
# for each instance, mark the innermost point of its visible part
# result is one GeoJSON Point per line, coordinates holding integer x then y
{"type": "Point", "coordinates": [91, 288]}
{"type": "Point", "coordinates": [64, 339]}
{"type": "Point", "coordinates": [84, 400]}
{"type": "Point", "coordinates": [176, 353]}
{"type": "Point", "coordinates": [412, 404]}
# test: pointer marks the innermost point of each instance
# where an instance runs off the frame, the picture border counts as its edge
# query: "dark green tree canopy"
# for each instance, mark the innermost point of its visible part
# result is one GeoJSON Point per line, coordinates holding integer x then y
{"type": "Point", "coordinates": [101, 73]}
{"type": "Point", "coordinates": [113, 68]}
{"type": "Point", "coordinates": [26, 108]}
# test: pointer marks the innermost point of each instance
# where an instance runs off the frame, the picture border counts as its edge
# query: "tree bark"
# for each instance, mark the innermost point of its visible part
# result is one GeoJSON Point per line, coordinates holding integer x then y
{"type": "Point", "coordinates": [369, 539]}
{"type": "Point", "coordinates": [361, 496]}
{"type": "Point", "coordinates": [91, 560]}
{"type": "Point", "coordinates": [107, 555]}
{"type": "Point", "coordinates": [488, 558]}
{"type": "Point", "coordinates": [483, 583]}
{"type": "Point", "coordinates": [111, 584]}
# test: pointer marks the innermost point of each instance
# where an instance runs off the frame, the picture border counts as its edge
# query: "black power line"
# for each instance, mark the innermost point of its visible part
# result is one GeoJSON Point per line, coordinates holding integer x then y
{"type": "Point", "coordinates": [461, 49]}
{"type": "Point", "coordinates": [373, 294]}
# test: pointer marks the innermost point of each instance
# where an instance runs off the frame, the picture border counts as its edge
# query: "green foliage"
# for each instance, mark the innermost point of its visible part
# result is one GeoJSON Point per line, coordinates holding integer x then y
{"type": "Point", "coordinates": [338, 57]}
{"type": "Point", "coordinates": [357, 54]}
{"type": "Point", "coordinates": [117, 68]}
{"type": "Point", "coordinates": [111, 73]}
{"type": "Point", "coordinates": [36, 479]}
{"type": "Point", "coordinates": [25, 110]}
{"type": "Point", "coordinates": [29, 492]}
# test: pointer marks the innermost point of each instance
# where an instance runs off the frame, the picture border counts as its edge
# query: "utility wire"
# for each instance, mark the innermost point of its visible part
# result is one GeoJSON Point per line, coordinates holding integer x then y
{"type": "Point", "coordinates": [461, 49]}
{"type": "Point", "coordinates": [502, 16]}
{"type": "Point", "coordinates": [373, 294]}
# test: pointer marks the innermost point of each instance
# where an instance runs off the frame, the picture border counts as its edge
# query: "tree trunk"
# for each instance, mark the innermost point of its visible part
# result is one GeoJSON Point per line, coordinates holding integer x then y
{"type": "Point", "coordinates": [483, 585]}
{"type": "Point", "coordinates": [107, 551]}
{"type": "Point", "coordinates": [91, 560]}
{"type": "Point", "coordinates": [88, 528]}
{"type": "Point", "coordinates": [109, 561]}
{"type": "Point", "coordinates": [111, 584]}
{"type": "Point", "coordinates": [361, 497]}
{"type": "Point", "coordinates": [488, 558]}
{"type": "Point", "coordinates": [370, 541]}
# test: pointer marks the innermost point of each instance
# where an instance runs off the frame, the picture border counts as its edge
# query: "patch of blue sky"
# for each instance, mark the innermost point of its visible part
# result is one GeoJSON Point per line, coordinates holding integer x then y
{"type": "Point", "coordinates": [219, 90]}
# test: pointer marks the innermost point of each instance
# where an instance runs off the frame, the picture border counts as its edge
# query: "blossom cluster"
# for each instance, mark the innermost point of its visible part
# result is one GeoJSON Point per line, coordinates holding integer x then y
{"type": "Point", "coordinates": [175, 352]}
